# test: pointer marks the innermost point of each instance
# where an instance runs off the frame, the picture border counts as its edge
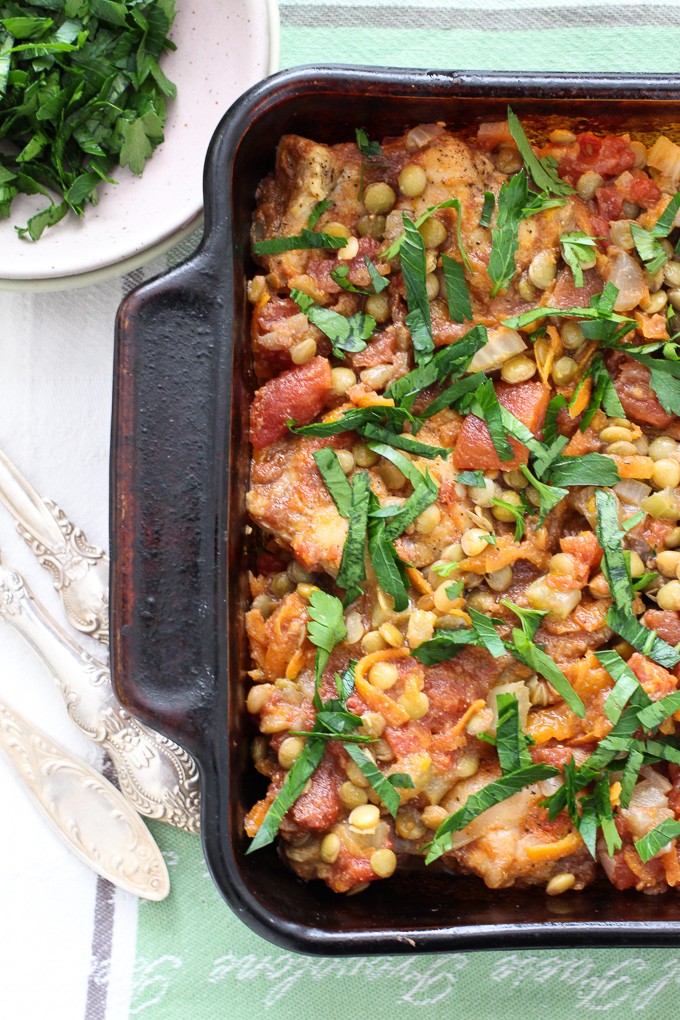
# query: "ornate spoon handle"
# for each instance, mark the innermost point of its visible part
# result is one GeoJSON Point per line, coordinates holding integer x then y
{"type": "Point", "coordinates": [88, 812]}
{"type": "Point", "coordinates": [80, 571]}
{"type": "Point", "coordinates": [155, 774]}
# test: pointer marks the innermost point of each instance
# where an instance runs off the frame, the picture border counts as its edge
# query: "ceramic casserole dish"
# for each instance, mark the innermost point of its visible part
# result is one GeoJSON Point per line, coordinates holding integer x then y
{"type": "Point", "coordinates": [180, 462]}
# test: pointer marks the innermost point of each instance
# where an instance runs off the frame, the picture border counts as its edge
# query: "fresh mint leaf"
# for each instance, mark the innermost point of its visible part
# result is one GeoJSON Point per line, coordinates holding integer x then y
{"type": "Point", "coordinates": [447, 363]}
{"type": "Point", "coordinates": [658, 711]}
{"type": "Point", "coordinates": [414, 272]}
{"type": "Point", "coordinates": [339, 275]}
{"type": "Point", "coordinates": [531, 655]}
{"type": "Point", "coordinates": [306, 239]}
{"type": "Point", "coordinates": [487, 407]}
{"type": "Point", "coordinates": [368, 149]}
{"type": "Point", "coordinates": [504, 237]}
{"type": "Point", "coordinates": [326, 629]}
{"type": "Point", "coordinates": [385, 560]}
{"type": "Point", "coordinates": [296, 779]}
{"type": "Point", "coordinates": [317, 212]}
{"type": "Point", "coordinates": [334, 478]}
{"type": "Point", "coordinates": [654, 842]}
{"type": "Point", "coordinates": [511, 743]}
{"type": "Point", "coordinates": [495, 792]}
{"type": "Point", "coordinates": [379, 282]}
{"type": "Point", "coordinates": [352, 573]}
{"type": "Point", "coordinates": [346, 333]}
{"type": "Point", "coordinates": [642, 638]}
{"type": "Point", "coordinates": [542, 170]}
{"type": "Point", "coordinates": [487, 209]}
{"type": "Point", "coordinates": [648, 248]}
{"type": "Point", "coordinates": [578, 251]}
{"type": "Point", "coordinates": [488, 636]}
{"type": "Point", "coordinates": [475, 478]}
{"type": "Point", "coordinates": [549, 495]}
{"type": "Point", "coordinates": [529, 619]}
{"type": "Point", "coordinates": [457, 294]}
{"type": "Point", "coordinates": [626, 683]}
{"type": "Point", "coordinates": [586, 469]}
{"type": "Point", "coordinates": [380, 783]}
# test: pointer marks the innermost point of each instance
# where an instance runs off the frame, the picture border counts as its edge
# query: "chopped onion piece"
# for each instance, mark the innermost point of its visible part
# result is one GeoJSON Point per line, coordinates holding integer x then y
{"type": "Point", "coordinates": [627, 276]}
{"type": "Point", "coordinates": [632, 492]}
{"type": "Point", "coordinates": [420, 136]}
{"type": "Point", "coordinates": [503, 344]}
{"type": "Point", "coordinates": [664, 156]}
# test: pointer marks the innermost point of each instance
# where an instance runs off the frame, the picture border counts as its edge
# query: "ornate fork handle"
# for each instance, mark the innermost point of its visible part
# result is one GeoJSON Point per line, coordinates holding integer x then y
{"type": "Point", "coordinates": [154, 773]}
{"type": "Point", "coordinates": [87, 811]}
{"type": "Point", "coordinates": [80, 571]}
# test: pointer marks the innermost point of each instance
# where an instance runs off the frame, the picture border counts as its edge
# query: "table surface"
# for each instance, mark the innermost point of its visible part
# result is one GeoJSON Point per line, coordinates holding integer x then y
{"type": "Point", "coordinates": [73, 946]}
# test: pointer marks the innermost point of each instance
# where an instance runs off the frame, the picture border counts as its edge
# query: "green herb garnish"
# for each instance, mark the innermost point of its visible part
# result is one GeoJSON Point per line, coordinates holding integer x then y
{"type": "Point", "coordinates": [485, 798]}
{"type": "Point", "coordinates": [352, 573]}
{"type": "Point", "coordinates": [487, 209]}
{"type": "Point", "coordinates": [626, 683]}
{"type": "Point", "coordinates": [306, 239]}
{"type": "Point", "coordinates": [512, 744]}
{"type": "Point", "coordinates": [335, 479]}
{"type": "Point", "coordinates": [326, 629]}
{"type": "Point", "coordinates": [346, 333]}
{"type": "Point", "coordinates": [542, 170]}
{"type": "Point", "coordinates": [418, 320]}
{"type": "Point", "coordinates": [577, 252]}
{"type": "Point", "coordinates": [457, 294]}
{"type": "Point", "coordinates": [656, 840]}
{"type": "Point", "coordinates": [379, 282]}
{"type": "Point", "coordinates": [81, 91]}
{"type": "Point", "coordinates": [301, 771]}
{"type": "Point", "coordinates": [549, 495]}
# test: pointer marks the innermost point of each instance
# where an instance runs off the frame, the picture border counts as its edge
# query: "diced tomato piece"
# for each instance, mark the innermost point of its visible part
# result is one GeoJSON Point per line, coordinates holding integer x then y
{"type": "Point", "coordinates": [299, 393]}
{"type": "Point", "coordinates": [567, 295]}
{"type": "Point", "coordinates": [644, 191]}
{"type": "Point", "coordinates": [631, 382]}
{"type": "Point", "coordinates": [493, 133]}
{"type": "Point", "coordinates": [474, 449]}
{"type": "Point", "coordinates": [272, 311]}
{"type": "Point", "coordinates": [319, 807]}
{"type": "Point", "coordinates": [585, 550]}
{"type": "Point", "coordinates": [610, 202]}
{"type": "Point", "coordinates": [666, 622]}
{"type": "Point", "coordinates": [656, 680]}
{"type": "Point", "coordinates": [606, 156]}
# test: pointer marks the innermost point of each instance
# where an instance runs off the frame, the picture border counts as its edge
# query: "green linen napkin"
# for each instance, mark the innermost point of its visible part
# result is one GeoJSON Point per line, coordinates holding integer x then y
{"type": "Point", "coordinates": [194, 958]}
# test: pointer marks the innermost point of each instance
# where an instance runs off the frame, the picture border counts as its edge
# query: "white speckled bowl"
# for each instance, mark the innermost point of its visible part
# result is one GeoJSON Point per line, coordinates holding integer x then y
{"type": "Point", "coordinates": [222, 49]}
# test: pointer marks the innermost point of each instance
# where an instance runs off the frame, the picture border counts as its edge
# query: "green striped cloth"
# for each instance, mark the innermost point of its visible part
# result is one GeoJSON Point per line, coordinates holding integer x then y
{"type": "Point", "coordinates": [194, 959]}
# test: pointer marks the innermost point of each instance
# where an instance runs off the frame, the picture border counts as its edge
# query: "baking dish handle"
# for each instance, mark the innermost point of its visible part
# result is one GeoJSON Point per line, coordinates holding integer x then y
{"type": "Point", "coordinates": [169, 362]}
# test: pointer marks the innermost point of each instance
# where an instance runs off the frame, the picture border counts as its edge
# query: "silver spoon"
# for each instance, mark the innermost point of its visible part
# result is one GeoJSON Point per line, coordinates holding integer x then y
{"type": "Point", "coordinates": [80, 571]}
{"type": "Point", "coordinates": [88, 812]}
{"type": "Point", "coordinates": [156, 775]}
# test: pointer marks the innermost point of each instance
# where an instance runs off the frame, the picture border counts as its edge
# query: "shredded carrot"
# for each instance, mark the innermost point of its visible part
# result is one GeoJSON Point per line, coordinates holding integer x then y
{"type": "Point", "coordinates": [553, 851]}
{"type": "Point", "coordinates": [418, 582]}
{"type": "Point", "coordinates": [473, 709]}
{"type": "Point", "coordinates": [372, 400]}
{"type": "Point", "coordinates": [255, 817]}
{"type": "Point", "coordinates": [546, 354]}
{"type": "Point", "coordinates": [615, 794]}
{"type": "Point", "coordinates": [366, 661]}
{"type": "Point", "coordinates": [295, 665]}
{"type": "Point", "coordinates": [376, 699]}
{"type": "Point", "coordinates": [262, 301]}
{"type": "Point", "coordinates": [671, 865]}
{"type": "Point", "coordinates": [461, 615]}
{"type": "Point", "coordinates": [582, 398]}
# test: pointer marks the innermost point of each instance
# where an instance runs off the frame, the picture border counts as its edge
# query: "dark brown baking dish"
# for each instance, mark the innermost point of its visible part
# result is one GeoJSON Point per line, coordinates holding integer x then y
{"type": "Point", "coordinates": [179, 473]}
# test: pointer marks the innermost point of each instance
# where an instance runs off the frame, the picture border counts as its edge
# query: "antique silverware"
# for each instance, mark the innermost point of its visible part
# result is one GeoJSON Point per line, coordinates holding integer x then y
{"type": "Point", "coordinates": [87, 811]}
{"type": "Point", "coordinates": [80, 571]}
{"type": "Point", "coordinates": [154, 773]}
